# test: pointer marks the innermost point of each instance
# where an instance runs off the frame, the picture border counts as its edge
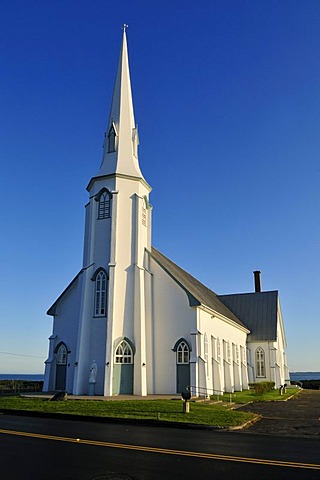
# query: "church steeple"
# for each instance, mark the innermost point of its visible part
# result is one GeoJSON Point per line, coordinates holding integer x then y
{"type": "Point", "coordinates": [120, 149]}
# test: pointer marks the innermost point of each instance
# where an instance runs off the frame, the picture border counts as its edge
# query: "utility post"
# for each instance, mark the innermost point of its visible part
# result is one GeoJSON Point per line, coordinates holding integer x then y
{"type": "Point", "coordinates": [186, 397]}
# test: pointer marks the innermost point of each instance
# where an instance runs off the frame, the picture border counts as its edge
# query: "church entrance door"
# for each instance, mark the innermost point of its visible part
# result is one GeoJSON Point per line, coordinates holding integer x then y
{"type": "Point", "coordinates": [61, 377]}
{"type": "Point", "coordinates": [183, 378]}
{"type": "Point", "coordinates": [123, 369]}
{"type": "Point", "coordinates": [122, 379]}
{"type": "Point", "coordinates": [61, 367]}
{"type": "Point", "coordinates": [183, 366]}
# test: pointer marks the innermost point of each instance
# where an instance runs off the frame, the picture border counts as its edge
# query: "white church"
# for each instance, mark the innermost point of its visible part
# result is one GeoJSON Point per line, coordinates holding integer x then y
{"type": "Point", "coordinates": [132, 321]}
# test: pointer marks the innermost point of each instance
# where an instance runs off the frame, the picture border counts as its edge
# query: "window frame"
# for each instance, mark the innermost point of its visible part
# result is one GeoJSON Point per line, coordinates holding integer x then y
{"type": "Point", "coordinates": [227, 351]}
{"type": "Point", "coordinates": [104, 205]}
{"type": "Point", "coordinates": [218, 350]}
{"type": "Point", "coordinates": [236, 355]}
{"type": "Point", "coordinates": [100, 293]}
{"type": "Point", "coordinates": [260, 363]}
{"type": "Point", "coordinates": [183, 353]}
{"type": "Point", "coordinates": [205, 348]}
{"type": "Point", "coordinates": [123, 351]}
{"type": "Point", "coordinates": [112, 139]}
{"type": "Point", "coordinates": [61, 354]}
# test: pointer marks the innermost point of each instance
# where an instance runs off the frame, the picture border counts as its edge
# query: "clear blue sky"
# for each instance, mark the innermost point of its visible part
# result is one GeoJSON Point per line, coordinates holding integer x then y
{"type": "Point", "coordinates": [227, 99]}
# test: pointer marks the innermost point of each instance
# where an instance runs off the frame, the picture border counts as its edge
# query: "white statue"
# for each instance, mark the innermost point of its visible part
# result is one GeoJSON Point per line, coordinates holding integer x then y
{"type": "Point", "coordinates": [93, 372]}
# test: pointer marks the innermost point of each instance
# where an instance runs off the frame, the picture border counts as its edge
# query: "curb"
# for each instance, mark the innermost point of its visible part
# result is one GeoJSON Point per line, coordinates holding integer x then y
{"type": "Point", "coordinates": [130, 421]}
{"type": "Point", "coordinates": [247, 424]}
{"type": "Point", "coordinates": [293, 395]}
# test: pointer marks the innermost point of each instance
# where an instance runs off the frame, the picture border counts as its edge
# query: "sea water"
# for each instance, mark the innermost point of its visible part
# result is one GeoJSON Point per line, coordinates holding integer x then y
{"type": "Point", "coordinates": [38, 377]}
{"type": "Point", "coordinates": [300, 376]}
{"type": "Point", "coordinates": [35, 377]}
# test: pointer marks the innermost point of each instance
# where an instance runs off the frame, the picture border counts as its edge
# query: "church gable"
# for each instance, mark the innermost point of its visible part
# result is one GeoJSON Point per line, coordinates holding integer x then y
{"type": "Point", "coordinates": [70, 290]}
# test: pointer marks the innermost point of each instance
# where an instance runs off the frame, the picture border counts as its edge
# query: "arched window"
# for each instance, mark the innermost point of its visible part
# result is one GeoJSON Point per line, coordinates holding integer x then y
{"type": "Point", "coordinates": [104, 205]}
{"type": "Point", "coordinates": [61, 355]}
{"type": "Point", "coordinates": [235, 353]}
{"type": "Point", "coordinates": [144, 213]}
{"type": "Point", "coordinates": [112, 135]}
{"type": "Point", "coordinates": [135, 141]}
{"type": "Point", "coordinates": [100, 308]}
{"type": "Point", "coordinates": [226, 351]}
{"type": "Point", "coordinates": [218, 349]}
{"type": "Point", "coordinates": [145, 205]}
{"type": "Point", "coordinates": [205, 340]}
{"type": "Point", "coordinates": [260, 362]}
{"type": "Point", "coordinates": [183, 352]}
{"type": "Point", "coordinates": [243, 354]}
{"type": "Point", "coordinates": [123, 353]}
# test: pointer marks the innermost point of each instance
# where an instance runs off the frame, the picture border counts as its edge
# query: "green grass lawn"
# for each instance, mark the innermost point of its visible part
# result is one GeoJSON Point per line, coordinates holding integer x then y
{"type": "Point", "coordinates": [219, 415]}
{"type": "Point", "coordinates": [250, 396]}
{"type": "Point", "coordinates": [201, 413]}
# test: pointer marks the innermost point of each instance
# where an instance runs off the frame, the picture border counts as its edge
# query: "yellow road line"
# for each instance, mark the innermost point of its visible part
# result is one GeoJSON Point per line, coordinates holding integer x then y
{"type": "Point", "coordinates": [166, 451]}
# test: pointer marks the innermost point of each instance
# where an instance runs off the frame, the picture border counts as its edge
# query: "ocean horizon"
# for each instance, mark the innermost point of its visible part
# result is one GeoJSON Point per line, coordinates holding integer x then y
{"type": "Point", "coordinates": [300, 376]}
{"type": "Point", "coordinates": [38, 377]}
{"type": "Point", "coordinates": [30, 377]}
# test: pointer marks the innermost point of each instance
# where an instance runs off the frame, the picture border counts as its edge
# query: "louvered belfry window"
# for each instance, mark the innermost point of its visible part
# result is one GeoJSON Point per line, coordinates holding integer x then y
{"type": "Point", "coordinates": [112, 140]}
{"type": "Point", "coordinates": [104, 206]}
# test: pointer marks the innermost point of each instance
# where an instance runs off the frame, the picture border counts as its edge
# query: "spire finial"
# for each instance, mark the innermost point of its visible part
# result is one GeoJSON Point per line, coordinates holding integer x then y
{"type": "Point", "coordinates": [124, 27]}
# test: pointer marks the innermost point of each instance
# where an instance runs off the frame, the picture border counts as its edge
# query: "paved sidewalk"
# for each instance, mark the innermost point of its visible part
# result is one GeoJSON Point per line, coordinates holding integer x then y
{"type": "Point", "coordinates": [298, 417]}
{"type": "Point", "coordinates": [101, 397]}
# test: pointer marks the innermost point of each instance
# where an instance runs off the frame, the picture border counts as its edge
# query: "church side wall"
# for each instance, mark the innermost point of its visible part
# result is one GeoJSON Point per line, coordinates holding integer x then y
{"type": "Point", "coordinates": [220, 341]}
{"type": "Point", "coordinates": [281, 345]}
{"type": "Point", "coordinates": [274, 360]}
{"type": "Point", "coordinates": [173, 319]}
{"type": "Point", "coordinates": [65, 324]}
{"type": "Point", "coordinates": [268, 349]}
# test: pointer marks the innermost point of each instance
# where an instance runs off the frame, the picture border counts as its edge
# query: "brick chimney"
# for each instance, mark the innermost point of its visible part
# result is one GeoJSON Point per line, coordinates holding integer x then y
{"type": "Point", "coordinates": [257, 281]}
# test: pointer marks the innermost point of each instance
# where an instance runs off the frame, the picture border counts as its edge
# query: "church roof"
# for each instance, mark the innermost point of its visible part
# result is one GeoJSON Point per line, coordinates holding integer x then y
{"type": "Point", "coordinates": [197, 293]}
{"type": "Point", "coordinates": [258, 311]}
{"type": "Point", "coordinates": [53, 309]}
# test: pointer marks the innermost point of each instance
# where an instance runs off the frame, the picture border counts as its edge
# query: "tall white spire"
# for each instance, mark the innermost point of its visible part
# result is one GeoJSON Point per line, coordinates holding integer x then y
{"type": "Point", "coordinates": [120, 149]}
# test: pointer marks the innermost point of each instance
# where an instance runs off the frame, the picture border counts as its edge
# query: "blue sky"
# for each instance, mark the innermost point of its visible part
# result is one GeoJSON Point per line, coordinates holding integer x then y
{"type": "Point", "coordinates": [227, 99]}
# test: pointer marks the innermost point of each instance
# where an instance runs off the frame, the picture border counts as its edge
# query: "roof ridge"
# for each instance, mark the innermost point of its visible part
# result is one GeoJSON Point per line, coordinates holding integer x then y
{"type": "Point", "coordinates": [183, 270]}
{"type": "Point", "coordinates": [200, 292]}
{"type": "Point", "coordinates": [248, 293]}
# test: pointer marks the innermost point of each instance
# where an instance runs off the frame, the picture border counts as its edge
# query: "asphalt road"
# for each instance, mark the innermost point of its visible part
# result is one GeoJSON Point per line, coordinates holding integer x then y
{"type": "Point", "coordinates": [298, 417]}
{"type": "Point", "coordinates": [39, 448]}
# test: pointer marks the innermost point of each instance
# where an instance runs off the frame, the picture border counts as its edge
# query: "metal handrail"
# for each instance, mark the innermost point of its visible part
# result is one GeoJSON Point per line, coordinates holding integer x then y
{"type": "Point", "coordinates": [204, 391]}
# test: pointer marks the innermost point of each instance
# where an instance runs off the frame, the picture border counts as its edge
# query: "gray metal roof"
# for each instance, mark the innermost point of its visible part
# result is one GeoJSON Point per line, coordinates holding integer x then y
{"type": "Point", "coordinates": [258, 311]}
{"type": "Point", "coordinates": [198, 293]}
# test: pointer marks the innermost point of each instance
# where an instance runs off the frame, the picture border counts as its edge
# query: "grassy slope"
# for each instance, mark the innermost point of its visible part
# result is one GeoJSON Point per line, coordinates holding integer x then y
{"type": "Point", "coordinates": [219, 415]}
{"type": "Point", "coordinates": [165, 410]}
{"type": "Point", "coordinates": [249, 396]}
